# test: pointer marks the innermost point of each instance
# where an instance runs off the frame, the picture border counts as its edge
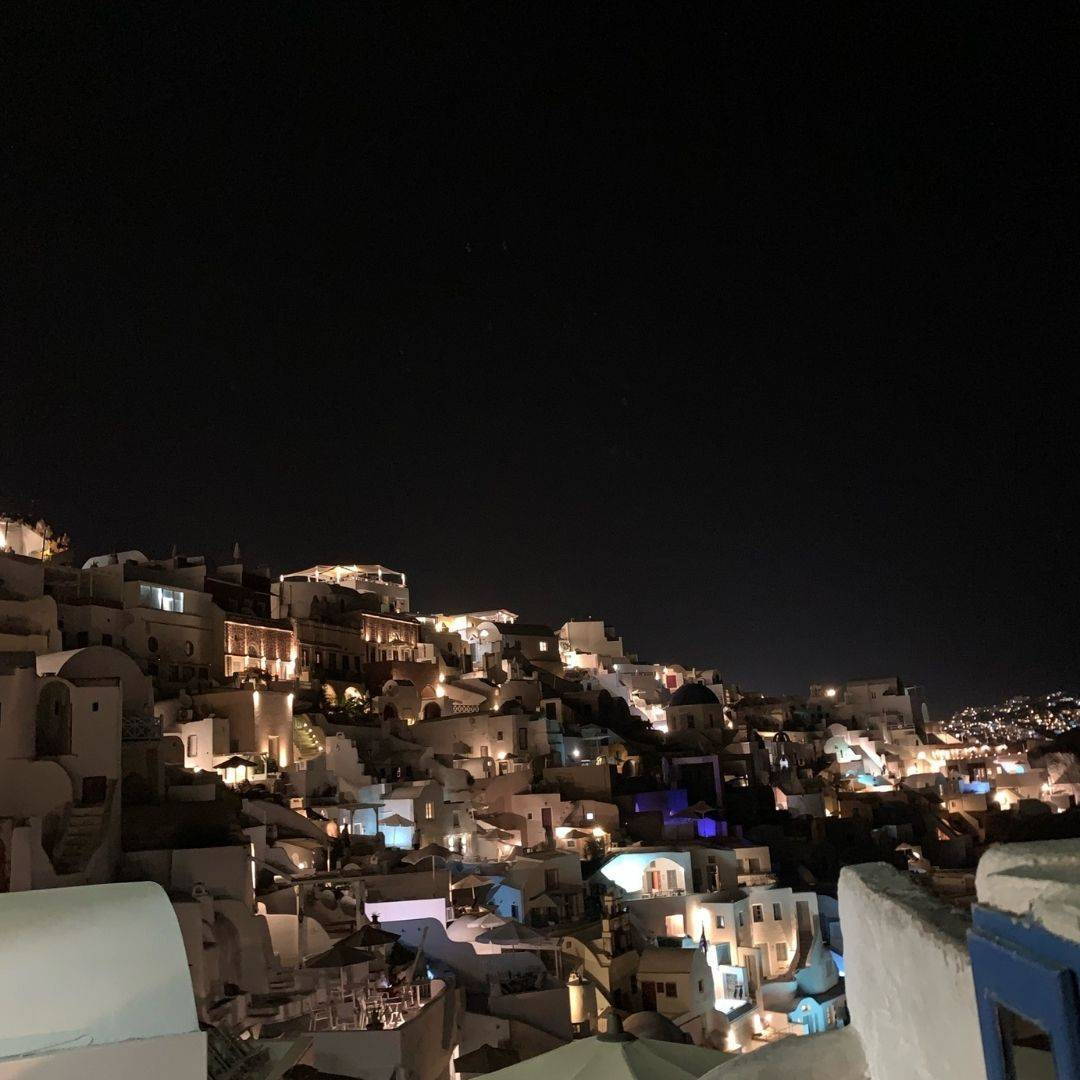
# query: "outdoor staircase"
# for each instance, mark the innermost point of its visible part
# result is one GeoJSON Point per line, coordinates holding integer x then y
{"type": "Point", "coordinates": [83, 831]}
{"type": "Point", "coordinates": [308, 740]}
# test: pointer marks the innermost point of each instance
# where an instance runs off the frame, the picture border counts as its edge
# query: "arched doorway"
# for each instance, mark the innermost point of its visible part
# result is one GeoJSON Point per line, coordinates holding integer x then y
{"type": "Point", "coordinates": [432, 711]}
{"type": "Point", "coordinates": [53, 728]}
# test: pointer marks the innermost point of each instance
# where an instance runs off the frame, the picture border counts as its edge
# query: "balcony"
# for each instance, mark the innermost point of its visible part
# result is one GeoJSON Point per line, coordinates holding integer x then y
{"type": "Point", "coordinates": [140, 728]}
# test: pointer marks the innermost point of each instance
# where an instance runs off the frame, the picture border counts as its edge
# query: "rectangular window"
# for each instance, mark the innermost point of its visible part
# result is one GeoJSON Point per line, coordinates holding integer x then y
{"type": "Point", "coordinates": [543, 646]}
{"type": "Point", "coordinates": [672, 880]}
{"type": "Point", "coordinates": [670, 988]}
{"type": "Point", "coordinates": [777, 912]}
{"type": "Point", "coordinates": [742, 921]}
{"type": "Point", "coordinates": [192, 745]}
{"type": "Point", "coordinates": [719, 922]}
{"type": "Point", "coordinates": [759, 915]}
{"type": "Point", "coordinates": [162, 599]}
{"type": "Point", "coordinates": [429, 811]}
{"type": "Point", "coordinates": [674, 926]}
{"type": "Point", "coordinates": [700, 986]}
{"type": "Point", "coordinates": [551, 879]}
{"type": "Point", "coordinates": [781, 952]}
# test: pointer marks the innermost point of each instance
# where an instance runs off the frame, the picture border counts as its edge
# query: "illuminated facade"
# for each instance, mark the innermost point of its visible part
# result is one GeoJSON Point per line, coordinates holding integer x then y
{"type": "Point", "coordinates": [250, 644]}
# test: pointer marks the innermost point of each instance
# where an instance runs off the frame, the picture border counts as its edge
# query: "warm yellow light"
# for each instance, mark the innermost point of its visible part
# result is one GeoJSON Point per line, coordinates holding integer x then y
{"type": "Point", "coordinates": [831, 692]}
{"type": "Point", "coordinates": [598, 831]}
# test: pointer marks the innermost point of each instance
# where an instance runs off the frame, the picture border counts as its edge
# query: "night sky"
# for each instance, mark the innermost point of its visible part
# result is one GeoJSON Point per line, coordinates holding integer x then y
{"type": "Point", "coordinates": [750, 328]}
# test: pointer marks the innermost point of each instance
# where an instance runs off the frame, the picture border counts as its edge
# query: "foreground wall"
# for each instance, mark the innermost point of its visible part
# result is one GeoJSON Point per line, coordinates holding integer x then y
{"type": "Point", "coordinates": [909, 982]}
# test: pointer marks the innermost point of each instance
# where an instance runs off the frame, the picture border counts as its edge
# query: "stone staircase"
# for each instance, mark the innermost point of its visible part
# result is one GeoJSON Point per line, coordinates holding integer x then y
{"type": "Point", "coordinates": [309, 740]}
{"type": "Point", "coordinates": [83, 831]}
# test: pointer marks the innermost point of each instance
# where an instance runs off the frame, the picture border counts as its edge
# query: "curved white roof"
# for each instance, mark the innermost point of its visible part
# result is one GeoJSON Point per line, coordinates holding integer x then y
{"type": "Point", "coordinates": [102, 662]}
{"type": "Point", "coordinates": [91, 965]}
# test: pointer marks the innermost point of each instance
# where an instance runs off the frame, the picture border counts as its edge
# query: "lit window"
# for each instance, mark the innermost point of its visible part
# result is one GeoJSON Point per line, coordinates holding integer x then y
{"type": "Point", "coordinates": [155, 596]}
{"type": "Point", "coordinates": [429, 811]}
{"type": "Point", "coordinates": [588, 815]}
{"type": "Point", "coordinates": [543, 646]}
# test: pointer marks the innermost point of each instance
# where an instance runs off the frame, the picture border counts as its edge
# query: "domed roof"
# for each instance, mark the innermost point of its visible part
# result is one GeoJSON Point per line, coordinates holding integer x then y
{"type": "Point", "coordinates": [693, 693]}
{"type": "Point", "coordinates": [651, 1025]}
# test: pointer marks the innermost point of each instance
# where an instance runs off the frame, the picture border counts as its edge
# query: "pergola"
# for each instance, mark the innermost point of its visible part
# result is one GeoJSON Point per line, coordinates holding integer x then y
{"type": "Point", "coordinates": [350, 573]}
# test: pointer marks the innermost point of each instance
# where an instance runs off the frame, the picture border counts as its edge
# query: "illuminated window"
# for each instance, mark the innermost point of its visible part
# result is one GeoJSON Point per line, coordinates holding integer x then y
{"type": "Point", "coordinates": [155, 596]}
{"type": "Point", "coordinates": [429, 811]}
{"type": "Point", "coordinates": [543, 646]}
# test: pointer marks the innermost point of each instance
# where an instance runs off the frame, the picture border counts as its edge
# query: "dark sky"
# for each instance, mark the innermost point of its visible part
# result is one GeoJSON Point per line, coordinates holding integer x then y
{"type": "Point", "coordinates": [751, 328]}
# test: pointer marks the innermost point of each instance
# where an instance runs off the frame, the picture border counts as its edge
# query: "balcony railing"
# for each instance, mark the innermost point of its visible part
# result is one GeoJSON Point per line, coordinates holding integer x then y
{"type": "Point", "coordinates": [140, 728]}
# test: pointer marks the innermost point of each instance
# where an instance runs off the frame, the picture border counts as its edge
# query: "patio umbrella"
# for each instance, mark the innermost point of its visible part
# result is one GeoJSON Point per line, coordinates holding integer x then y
{"type": "Point", "coordinates": [700, 808]}
{"type": "Point", "coordinates": [617, 1055]}
{"type": "Point", "coordinates": [368, 937]}
{"type": "Point", "coordinates": [514, 935]}
{"type": "Point", "coordinates": [340, 955]}
{"type": "Point", "coordinates": [236, 762]}
{"type": "Point", "coordinates": [473, 882]}
{"type": "Point", "coordinates": [396, 820]}
{"type": "Point", "coordinates": [428, 851]}
{"type": "Point", "coordinates": [486, 1059]}
{"type": "Point", "coordinates": [489, 920]}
